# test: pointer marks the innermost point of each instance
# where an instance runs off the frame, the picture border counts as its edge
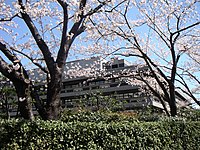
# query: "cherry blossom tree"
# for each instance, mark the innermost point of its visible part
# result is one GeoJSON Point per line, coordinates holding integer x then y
{"type": "Point", "coordinates": [41, 32]}
{"type": "Point", "coordinates": [163, 35]}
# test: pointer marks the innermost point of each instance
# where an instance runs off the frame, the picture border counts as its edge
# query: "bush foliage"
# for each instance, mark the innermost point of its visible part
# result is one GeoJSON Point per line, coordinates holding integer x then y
{"type": "Point", "coordinates": [111, 132]}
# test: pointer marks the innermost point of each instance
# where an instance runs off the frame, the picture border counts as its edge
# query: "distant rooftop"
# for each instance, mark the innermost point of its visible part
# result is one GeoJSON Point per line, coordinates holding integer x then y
{"type": "Point", "coordinates": [83, 66]}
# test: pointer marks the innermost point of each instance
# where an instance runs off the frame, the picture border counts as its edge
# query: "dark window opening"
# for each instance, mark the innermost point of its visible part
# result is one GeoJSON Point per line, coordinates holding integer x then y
{"type": "Point", "coordinates": [121, 65]}
{"type": "Point", "coordinates": [108, 67]}
{"type": "Point", "coordinates": [115, 66]}
{"type": "Point", "coordinates": [86, 88]}
{"type": "Point", "coordinates": [69, 90]}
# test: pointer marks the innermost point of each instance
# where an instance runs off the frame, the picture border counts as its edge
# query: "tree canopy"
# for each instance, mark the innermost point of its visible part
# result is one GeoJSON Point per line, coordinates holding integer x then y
{"type": "Point", "coordinates": [163, 35]}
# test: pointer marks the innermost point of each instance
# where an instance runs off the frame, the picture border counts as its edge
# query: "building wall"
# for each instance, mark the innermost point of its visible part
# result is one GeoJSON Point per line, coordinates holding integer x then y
{"type": "Point", "coordinates": [93, 78]}
{"type": "Point", "coordinates": [109, 85]}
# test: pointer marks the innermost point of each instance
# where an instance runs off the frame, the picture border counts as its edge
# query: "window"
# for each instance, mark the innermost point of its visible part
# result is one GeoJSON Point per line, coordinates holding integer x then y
{"type": "Point", "coordinates": [86, 88]}
{"type": "Point", "coordinates": [126, 95]}
{"type": "Point", "coordinates": [123, 83]}
{"type": "Point", "coordinates": [67, 86]}
{"type": "Point", "coordinates": [104, 86]}
{"type": "Point", "coordinates": [62, 91]}
{"type": "Point", "coordinates": [115, 66]}
{"type": "Point", "coordinates": [95, 87]}
{"type": "Point", "coordinates": [92, 83]}
{"type": "Point", "coordinates": [108, 67]}
{"type": "Point", "coordinates": [78, 89]}
{"type": "Point", "coordinates": [107, 81]}
{"type": "Point", "coordinates": [101, 82]}
{"type": "Point", "coordinates": [68, 91]}
{"type": "Point", "coordinates": [75, 85]}
{"type": "Point", "coordinates": [114, 85]}
{"type": "Point", "coordinates": [121, 65]}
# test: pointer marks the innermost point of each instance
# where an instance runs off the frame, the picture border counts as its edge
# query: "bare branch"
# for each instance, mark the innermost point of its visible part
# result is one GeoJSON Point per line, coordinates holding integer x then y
{"type": "Point", "coordinates": [77, 25]}
{"type": "Point", "coordinates": [40, 42]}
{"type": "Point", "coordinates": [96, 9]}
{"type": "Point", "coordinates": [128, 55]}
{"type": "Point", "coordinates": [9, 72]}
{"type": "Point", "coordinates": [186, 28]}
{"type": "Point", "coordinates": [8, 54]}
{"type": "Point", "coordinates": [158, 95]}
{"type": "Point", "coordinates": [189, 93]}
{"type": "Point", "coordinates": [114, 8]}
{"type": "Point", "coordinates": [9, 19]}
{"type": "Point", "coordinates": [32, 60]}
{"type": "Point", "coordinates": [63, 47]}
{"type": "Point", "coordinates": [5, 69]}
{"type": "Point", "coordinates": [157, 29]}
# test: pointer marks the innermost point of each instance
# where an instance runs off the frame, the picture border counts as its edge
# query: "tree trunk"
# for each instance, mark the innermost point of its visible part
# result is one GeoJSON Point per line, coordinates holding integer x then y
{"type": "Point", "coordinates": [172, 101]}
{"type": "Point", "coordinates": [38, 103]}
{"type": "Point", "coordinates": [53, 96]}
{"type": "Point", "coordinates": [53, 104]}
{"type": "Point", "coordinates": [24, 100]}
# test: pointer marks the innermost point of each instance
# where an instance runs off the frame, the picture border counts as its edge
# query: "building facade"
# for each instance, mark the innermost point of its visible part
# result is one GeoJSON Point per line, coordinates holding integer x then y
{"type": "Point", "coordinates": [94, 82]}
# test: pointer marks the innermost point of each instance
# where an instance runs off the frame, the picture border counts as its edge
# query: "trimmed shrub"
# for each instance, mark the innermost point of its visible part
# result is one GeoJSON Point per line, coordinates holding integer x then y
{"type": "Point", "coordinates": [88, 116]}
{"type": "Point", "coordinates": [190, 114]}
{"type": "Point", "coordinates": [170, 134]}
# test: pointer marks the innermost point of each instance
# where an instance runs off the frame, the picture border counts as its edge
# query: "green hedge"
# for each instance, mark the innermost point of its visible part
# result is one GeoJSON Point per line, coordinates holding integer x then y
{"type": "Point", "coordinates": [106, 116]}
{"type": "Point", "coordinates": [121, 135]}
{"type": "Point", "coordinates": [87, 116]}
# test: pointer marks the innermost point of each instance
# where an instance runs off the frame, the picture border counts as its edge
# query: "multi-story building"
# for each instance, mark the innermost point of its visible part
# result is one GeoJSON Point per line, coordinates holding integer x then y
{"type": "Point", "coordinates": [89, 80]}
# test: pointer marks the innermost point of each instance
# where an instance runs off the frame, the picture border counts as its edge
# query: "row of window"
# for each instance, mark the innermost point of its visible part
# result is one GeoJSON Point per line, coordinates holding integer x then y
{"type": "Point", "coordinates": [78, 89]}
{"type": "Point", "coordinates": [116, 96]}
{"type": "Point", "coordinates": [113, 66]}
{"type": "Point", "coordinates": [125, 97]}
{"type": "Point", "coordinates": [92, 83]}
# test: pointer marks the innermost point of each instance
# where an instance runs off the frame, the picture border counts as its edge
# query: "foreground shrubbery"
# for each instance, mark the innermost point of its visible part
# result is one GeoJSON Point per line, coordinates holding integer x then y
{"type": "Point", "coordinates": [109, 132]}
{"type": "Point", "coordinates": [147, 115]}
{"type": "Point", "coordinates": [87, 116]}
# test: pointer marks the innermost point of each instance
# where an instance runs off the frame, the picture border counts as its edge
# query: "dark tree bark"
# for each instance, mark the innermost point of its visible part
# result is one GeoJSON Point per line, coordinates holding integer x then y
{"type": "Point", "coordinates": [21, 83]}
{"type": "Point", "coordinates": [53, 96]}
{"type": "Point", "coordinates": [24, 99]}
{"type": "Point", "coordinates": [172, 101]}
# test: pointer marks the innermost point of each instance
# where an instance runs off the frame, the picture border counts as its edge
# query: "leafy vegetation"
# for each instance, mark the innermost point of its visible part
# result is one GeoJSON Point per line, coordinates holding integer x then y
{"type": "Point", "coordinates": [100, 130]}
{"type": "Point", "coordinates": [145, 115]}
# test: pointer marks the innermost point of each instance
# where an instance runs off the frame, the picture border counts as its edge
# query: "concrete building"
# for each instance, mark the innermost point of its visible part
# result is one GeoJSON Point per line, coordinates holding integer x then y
{"type": "Point", "coordinates": [98, 78]}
